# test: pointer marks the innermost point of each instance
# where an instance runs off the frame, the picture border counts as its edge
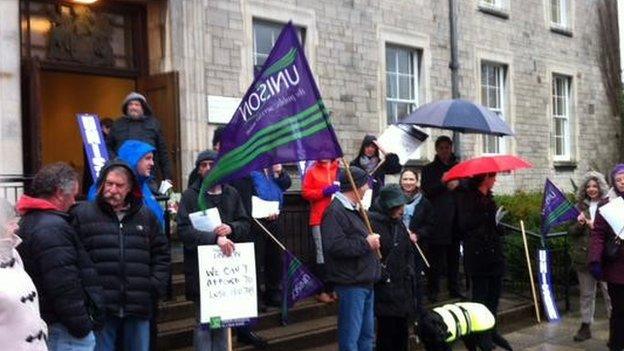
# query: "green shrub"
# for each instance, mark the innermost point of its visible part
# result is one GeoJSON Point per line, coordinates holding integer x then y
{"type": "Point", "coordinates": [527, 207]}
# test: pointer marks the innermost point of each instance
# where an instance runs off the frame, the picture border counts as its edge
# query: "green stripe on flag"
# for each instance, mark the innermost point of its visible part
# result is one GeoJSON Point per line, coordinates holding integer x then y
{"type": "Point", "coordinates": [294, 265]}
{"type": "Point", "coordinates": [253, 142]}
{"type": "Point", "coordinates": [560, 210]}
{"type": "Point", "coordinates": [220, 172]}
{"type": "Point", "coordinates": [282, 63]}
{"type": "Point", "coordinates": [289, 129]}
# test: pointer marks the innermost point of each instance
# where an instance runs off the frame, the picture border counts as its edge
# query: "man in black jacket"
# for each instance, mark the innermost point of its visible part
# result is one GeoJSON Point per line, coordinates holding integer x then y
{"type": "Point", "coordinates": [442, 245]}
{"type": "Point", "coordinates": [235, 228]}
{"type": "Point", "coordinates": [69, 291]}
{"type": "Point", "coordinates": [138, 123]}
{"type": "Point", "coordinates": [130, 252]}
{"type": "Point", "coordinates": [351, 263]}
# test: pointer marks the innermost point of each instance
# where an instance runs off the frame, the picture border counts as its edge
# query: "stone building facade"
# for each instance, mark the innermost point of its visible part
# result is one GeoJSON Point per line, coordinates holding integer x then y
{"type": "Point", "coordinates": [346, 43]}
{"type": "Point", "coordinates": [535, 64]}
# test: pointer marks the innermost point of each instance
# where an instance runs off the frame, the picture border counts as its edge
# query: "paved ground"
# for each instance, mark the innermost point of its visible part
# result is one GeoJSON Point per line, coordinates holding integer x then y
{"type": "Point", "coordinates": [551, 336]}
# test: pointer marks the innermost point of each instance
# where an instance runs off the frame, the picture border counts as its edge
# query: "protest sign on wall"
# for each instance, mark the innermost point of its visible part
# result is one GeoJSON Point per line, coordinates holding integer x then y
{"type": "Point", "coordinates": [227, 285]}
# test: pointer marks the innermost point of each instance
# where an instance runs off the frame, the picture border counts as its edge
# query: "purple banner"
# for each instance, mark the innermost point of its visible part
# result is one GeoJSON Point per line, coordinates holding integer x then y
{"type": "Point", "coordinates": [546, 287]}
{"type": "Point", "coordinates": [556, 209]}
{"type": "Point", "coordinates": [297, 282]}
{"type": "Point", "coordinates": [281, 119]}
{"type": "Point", "coordinates": [94, 144]}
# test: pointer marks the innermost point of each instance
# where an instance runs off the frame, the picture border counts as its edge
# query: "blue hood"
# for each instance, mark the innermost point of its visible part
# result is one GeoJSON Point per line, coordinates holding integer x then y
{"type": "Point", "coordinates": [132, 151]}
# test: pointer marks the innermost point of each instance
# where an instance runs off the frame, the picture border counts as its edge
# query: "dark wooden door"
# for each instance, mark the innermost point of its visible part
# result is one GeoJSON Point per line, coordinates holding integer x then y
{"type": "Point", "coordinates": [31, 115]}
{"type": "Point", "coordinates": [162, 92]}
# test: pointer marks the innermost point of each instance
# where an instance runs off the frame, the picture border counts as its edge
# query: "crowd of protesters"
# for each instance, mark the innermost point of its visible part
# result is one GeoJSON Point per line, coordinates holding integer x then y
{"type": "Point", "coordinates": [89, 275]}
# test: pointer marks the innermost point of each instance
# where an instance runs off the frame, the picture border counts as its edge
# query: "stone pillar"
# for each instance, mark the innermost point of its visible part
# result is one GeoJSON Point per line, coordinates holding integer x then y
{"type": "Point", "coordinates": [190, 56]}
{"type": "Point", "coordinates": [10, 99]}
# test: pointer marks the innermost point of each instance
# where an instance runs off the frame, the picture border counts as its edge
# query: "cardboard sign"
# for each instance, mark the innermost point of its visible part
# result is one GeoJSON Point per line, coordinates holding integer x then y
{"type": "Point", "coordinates": [227, 285]}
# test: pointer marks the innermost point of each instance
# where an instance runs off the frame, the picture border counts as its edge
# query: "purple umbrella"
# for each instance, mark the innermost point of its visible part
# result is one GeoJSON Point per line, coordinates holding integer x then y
{"type": "Point", "coordinates": [459, 115]}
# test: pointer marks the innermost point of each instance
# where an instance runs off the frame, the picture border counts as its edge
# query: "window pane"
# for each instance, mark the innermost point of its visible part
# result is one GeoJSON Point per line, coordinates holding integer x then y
{"type": "Point", "coordinates": [404, 88]}
{"type": "Point", "coordinates": [390, 59]}
{"type": "Point", "coordinates": [403, 109]}
{"type": "Point", "coordinates": [555, 11]}
{"type": "Point", "coordinates": [404, 61]}
{"type": "Point", "coordinates": [390, 112]}
{"type": "Point", "coordinates": [391, 86]}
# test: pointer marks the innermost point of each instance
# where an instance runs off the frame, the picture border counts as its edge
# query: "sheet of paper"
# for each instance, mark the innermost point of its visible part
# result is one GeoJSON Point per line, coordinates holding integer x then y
{"type": "Point", "coordinates": [206, 220]}
{"type": "Point", "coordinates": [262, 208]}
{"type": "Point", "coordinates": [613, 213]}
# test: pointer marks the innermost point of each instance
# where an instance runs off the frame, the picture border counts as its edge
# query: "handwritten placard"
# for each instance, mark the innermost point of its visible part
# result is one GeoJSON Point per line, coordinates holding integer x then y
{"type": "Point", "coordinates": [227, 285]}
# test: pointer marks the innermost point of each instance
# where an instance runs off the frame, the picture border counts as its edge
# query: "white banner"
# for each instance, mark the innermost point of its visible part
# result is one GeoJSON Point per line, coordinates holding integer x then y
{"type": "Point", "coordinates": [227, 285]}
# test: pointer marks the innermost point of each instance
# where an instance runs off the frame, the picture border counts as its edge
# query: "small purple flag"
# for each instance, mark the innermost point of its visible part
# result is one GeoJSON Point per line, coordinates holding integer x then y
{"type": "Point", "coordinates": [556, 209]}
{"type": "Point", "coordinates": [297, 282]}
{"type": "Point", "coordinates": [281, 119]}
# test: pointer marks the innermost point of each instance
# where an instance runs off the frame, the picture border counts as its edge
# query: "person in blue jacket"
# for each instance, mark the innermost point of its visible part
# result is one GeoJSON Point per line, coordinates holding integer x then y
{"type": "Point", "coordinates": [269, 184]}
{"type": "Point", "coordinates": [140, 156]}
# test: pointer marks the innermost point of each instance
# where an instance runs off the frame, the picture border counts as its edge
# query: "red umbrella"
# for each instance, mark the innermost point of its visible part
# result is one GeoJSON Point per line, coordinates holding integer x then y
{"type": "Point", "coordinates": [484, 165]}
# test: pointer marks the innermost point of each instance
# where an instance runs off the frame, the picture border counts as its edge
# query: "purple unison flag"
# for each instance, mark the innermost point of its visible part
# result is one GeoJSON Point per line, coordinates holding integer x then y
{"type": "Point", "coordinates": [297, 282]}
{"type": "Point", "coordinates": [556, 209]}
{"type": "Point", "coordinates": [281, 119]}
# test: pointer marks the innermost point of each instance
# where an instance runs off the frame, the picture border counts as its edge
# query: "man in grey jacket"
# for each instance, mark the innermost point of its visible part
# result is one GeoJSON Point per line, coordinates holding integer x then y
{"type": "Point", "coordinates": [139, 123]}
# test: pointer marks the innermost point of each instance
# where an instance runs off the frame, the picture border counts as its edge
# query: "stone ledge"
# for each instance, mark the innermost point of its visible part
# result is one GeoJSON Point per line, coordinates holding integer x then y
{"type": "Point", "coordinates": [495, 11]}
{"type": "Point", "coordinates": [560, 30]}
{"type": "Point", "coordinates": [565, 165]}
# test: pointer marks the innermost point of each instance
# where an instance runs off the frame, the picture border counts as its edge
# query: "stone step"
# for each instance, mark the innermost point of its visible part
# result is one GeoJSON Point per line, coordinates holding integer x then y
{"type": "Point", "coordinates": [314, 332]}
{"type": "Point", "coordinates": [174, 310]}
{"type": "Point", "coordinates": [176, 332]}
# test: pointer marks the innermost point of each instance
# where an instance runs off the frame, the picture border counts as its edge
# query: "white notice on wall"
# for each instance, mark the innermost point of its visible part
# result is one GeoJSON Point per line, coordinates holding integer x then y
{"type": "Point", "coordinates": [221, 108]}
{"type": "Point", "coordinates": [227, 285]}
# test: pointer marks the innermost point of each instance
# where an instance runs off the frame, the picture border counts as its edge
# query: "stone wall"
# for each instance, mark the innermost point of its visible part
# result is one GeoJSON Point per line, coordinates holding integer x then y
{"type": "Point", "coordinates": [211, 47]}
{"type": "Point", "coordinates": [10, 100]}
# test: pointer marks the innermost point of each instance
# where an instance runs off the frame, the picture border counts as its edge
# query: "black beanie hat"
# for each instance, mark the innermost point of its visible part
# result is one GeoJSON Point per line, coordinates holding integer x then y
{"type": "Point", "coordinates": [205, 155]}
{"type": "Point", "coordinates": [360, 177]}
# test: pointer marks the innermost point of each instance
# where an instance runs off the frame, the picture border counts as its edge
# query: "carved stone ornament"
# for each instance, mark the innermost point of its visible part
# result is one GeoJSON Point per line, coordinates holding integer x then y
{"type": "Point", "coordinates": [81, 36]}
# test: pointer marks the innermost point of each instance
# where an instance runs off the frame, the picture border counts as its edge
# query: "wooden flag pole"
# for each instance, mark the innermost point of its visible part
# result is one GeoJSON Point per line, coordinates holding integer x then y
{"type": "Point", "coordinates": [533, 292]}
{"type": "Point", "coordinates": [270, 234]}
{"type": "Point", "coordinates": [359, 201]}
{"type": "Point", "coordinates": [229, 339]}
{"type": "Point", "coordinates": [422, 255]}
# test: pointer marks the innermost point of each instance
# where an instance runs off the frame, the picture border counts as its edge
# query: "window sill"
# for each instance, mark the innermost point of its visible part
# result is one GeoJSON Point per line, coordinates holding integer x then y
{"type": "Point", "coordinates": [561, 30]}
{"type": "Point", "coordinates": [494, 11]}
{"type": "Point", "coordinates": [417, 163]}
{"type": "Point", "coordinates": [565, 165]}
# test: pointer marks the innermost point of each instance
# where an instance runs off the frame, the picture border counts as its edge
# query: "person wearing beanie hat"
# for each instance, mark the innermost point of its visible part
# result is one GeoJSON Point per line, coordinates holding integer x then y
{"type": "Point", "coordinates": [138, 122]}
{"type": "Point", "coordinates": [610, 268]}
{"type": "Point", "coordinates": [398, 293]}
{"type": "Point", "coordinates": [235, 228]}
{"type": "Point", "coordinates": [202, 156]}
{"type": "Point", "coordinates": [351, 262]}
{"type": "Point", "coordinates": [369, 160]}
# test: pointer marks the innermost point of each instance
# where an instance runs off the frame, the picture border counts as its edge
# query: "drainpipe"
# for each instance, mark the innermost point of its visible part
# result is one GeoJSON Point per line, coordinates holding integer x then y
{"type": "Point", "coordinates": [454, 65]}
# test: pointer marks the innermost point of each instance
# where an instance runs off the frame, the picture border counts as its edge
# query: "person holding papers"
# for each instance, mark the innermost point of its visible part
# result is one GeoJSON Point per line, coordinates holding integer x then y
{"type": "Point", "coordinates": [269, 185]}
{"type": "Point", "coordinates": [592, 189]}
{"type": "Point", "coordinates": [606, 264]}
{"type": "Point", "coordinates": [234, 228]}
